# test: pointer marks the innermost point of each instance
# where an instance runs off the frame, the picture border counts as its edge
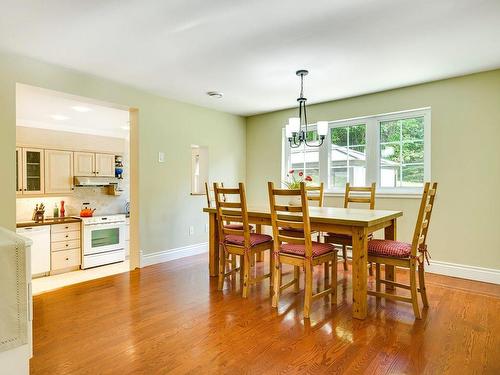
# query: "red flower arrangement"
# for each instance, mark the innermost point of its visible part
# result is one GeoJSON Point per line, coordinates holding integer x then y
{"type": "Point", "coordinates": [293, 182]}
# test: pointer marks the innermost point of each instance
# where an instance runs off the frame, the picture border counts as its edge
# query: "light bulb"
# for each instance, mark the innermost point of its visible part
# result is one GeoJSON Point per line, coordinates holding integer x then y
{"type": "Point", "coordinates": [322, 127]}
{"type": "Point", "coordinates": [294, 123]}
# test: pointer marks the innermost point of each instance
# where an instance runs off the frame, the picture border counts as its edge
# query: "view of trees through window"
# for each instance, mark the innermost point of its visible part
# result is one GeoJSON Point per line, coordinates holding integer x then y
{"type": "Point", "coordinates": [389, 149]}
{"type": "Point", "coordinates": [402, 152]}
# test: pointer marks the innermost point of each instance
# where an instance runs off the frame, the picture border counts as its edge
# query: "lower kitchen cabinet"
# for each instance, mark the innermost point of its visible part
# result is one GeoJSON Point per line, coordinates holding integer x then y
{"type": "Point", "coordinates": [64, 259]}
{"type": "Point", "coordinates": [65, 247]}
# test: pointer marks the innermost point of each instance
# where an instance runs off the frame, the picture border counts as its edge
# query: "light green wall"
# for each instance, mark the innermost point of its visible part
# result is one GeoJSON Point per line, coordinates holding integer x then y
{"type": "Point", "coordinates": [465, 160]}
{"type": "Point", "coordinates": [166, 207]}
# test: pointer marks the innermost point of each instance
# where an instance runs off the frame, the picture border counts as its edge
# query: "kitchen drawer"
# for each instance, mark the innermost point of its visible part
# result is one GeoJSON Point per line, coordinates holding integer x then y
{"type": "Point", "coordinates": [65, 259]}
{"type": "Point", "coordinates": [65, 236]}
{"type": "Point", "coordinates": [65, 245]}
{"type": "Point", "coordinates": [58, 228]}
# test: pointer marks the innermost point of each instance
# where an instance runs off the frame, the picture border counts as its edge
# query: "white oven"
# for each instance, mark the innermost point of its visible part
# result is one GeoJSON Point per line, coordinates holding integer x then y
{"type": "Point", "coordinates": [103, 240]}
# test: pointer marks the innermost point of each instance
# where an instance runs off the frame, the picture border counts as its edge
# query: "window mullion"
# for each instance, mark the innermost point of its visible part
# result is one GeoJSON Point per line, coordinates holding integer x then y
{"type": "Point", "coordinates": [324, 154]}
{"type": "Point", "coordinates": [372, 146]}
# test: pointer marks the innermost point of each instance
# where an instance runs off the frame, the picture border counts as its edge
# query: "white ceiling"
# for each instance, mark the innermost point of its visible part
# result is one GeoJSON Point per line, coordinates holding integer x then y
{"type": "Point", "coordinates": [35, 108]}
{"type": "Point", "coordinates": [250, 49]}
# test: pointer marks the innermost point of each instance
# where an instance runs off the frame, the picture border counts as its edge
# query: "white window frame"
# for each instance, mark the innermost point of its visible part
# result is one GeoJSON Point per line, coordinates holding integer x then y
{"type": "Point", "coordinates": [372, 150]}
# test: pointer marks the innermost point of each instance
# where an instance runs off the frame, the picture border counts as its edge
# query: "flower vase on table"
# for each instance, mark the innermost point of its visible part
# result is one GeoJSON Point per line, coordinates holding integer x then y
{"type": "Point", "coordinates": [292, 182]}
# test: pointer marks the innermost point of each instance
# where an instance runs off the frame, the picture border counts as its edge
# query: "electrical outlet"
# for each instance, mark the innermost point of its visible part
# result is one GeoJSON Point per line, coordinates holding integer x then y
{"type": "Point", "coordinates": [206, 228]}
{"type": "Point", "coordinates": [191, 230]}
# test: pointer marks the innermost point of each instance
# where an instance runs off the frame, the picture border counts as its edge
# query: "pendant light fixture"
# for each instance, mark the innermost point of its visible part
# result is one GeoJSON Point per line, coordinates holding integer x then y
{"type": "Point", "coordinates": [296, 129]}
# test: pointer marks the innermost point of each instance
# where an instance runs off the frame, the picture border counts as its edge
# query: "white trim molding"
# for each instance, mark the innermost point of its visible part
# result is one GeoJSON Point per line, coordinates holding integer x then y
{"type": "Point", "coordinates": [487, 275]}
{"type": "Point", "coordinates": [172, 254]}
{"type": "Point", "coordinates": [462, 271]}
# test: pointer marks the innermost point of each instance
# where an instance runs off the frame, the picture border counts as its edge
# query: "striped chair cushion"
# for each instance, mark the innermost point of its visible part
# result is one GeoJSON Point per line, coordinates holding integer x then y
{"type": "Point", "coordinates": [318, 248]}
{"type": "Point", "coordinates": [255, 239]}
{"type": "Point", "coordinates": [236, 226]}
{"type": "Point", "coordinates": [388, 248]}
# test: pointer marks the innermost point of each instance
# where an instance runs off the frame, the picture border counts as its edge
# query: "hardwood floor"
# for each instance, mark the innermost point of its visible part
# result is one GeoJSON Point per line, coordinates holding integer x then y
{"type": "Point", "coordinates": [170, 318]}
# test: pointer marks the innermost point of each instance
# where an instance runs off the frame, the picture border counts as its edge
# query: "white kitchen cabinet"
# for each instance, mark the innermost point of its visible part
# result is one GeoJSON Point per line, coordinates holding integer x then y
{"type": "Point", "coordinates": [84, 164]}
{"type": "Point", "coordinates": [93, 164]}
{"type": "Point", "coordinates": [40, 249]}
{"type": "Point", "coordinates": [33, 171]}
{"type": "Point", "coordinates": [19, 170]}
{"type": "Point", "coordinates": [58, 172]}
{"type": "Point", "coordinates": [105, 165]}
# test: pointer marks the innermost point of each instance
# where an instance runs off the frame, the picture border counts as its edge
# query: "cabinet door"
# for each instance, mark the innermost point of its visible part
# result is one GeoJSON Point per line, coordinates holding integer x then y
{"type": "Point", "coordinates": [58, 172]}
{"type": "Point", "coordinates": [84, 163]}
{"type": "Point", "coordinates": [19, 170]}
{"type": "Point", "coordinates": [33, 174]}
{"type": "Point", "coordinates": [105, 165]}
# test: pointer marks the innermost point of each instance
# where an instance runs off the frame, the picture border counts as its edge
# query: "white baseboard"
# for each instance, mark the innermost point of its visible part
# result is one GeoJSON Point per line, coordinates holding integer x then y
{"type": "Point", "coordinates": [488, 275]}
{"type": "Point", "coordinates": [172, 254]}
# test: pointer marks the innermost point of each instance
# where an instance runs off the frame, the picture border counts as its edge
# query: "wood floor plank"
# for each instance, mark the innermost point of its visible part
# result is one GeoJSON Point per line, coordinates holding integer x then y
{"type": "Point", "coordinates": [170, 319]}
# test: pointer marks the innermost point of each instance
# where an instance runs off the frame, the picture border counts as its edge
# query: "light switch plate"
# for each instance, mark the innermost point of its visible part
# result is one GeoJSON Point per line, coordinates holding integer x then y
{"type": "Point", "coordinates": [161, 157]}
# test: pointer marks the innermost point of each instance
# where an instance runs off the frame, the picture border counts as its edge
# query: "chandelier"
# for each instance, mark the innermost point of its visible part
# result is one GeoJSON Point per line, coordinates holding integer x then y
{"type": "Point", "coordinates": [295, 131]}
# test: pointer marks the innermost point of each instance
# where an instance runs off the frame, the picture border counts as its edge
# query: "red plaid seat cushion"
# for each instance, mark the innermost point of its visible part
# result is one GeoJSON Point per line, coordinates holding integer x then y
{"type": "Point", "coordinates": [388, 248]}
{"type": "Point", "coordinates": [236, 226]}
{"type": "Point", "coordinates": [318, 248]}
{"type": "Point", "coordinates": [255, 239]}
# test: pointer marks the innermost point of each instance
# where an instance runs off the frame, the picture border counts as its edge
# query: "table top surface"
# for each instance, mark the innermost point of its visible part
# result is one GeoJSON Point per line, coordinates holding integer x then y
{"type": "Point", "coordinates": [333, 215]}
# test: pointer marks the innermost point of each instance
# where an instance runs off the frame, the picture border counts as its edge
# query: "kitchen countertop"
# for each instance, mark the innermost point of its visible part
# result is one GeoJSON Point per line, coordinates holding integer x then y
{"type": "Point", "coordinates": [49, 221]}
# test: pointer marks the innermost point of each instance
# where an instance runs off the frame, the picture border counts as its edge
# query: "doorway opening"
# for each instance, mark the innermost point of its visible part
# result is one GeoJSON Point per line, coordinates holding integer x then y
{"type": "Point", "coordinates": [76, 189]}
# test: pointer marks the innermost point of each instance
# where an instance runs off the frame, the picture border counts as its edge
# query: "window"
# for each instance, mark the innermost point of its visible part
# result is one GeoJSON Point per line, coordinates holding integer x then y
{"type": "Point", "coordinates": [306, 159]}
{"type": "Point", "coordinates": [391, 149]}
{"type": "Point", "coordinates": [199, 169]}
{"type": "Point", "coordinates": [347, 156]}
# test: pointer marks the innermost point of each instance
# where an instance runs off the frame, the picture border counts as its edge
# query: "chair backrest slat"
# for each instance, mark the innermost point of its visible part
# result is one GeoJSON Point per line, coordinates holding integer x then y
{"type": "Point", "coordinates": [287, 215]}
{"type": "Point", "coordinates": [232, 211]}
{"type": "Point", "coordinates": [209, 192]}
{"type": "Point", "coordinates": [318, 194]}
{"type": "Point", "coordinates": [360, 195]}
{"type": "Point", "coordinates": [424, 217]}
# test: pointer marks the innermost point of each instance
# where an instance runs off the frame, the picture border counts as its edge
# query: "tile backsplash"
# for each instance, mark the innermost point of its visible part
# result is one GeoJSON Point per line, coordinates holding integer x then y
{"type": "Point", "coordinates": [96, 196]}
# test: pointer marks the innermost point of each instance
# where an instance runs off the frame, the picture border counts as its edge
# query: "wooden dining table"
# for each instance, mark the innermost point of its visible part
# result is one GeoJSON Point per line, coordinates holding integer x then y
{"type": "Point", "coordinates": [358, 223]}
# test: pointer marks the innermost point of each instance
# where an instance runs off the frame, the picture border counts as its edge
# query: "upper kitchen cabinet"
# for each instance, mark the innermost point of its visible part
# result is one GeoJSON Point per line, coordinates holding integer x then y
{"type": "Point", "coordinates": [58, 172]}
{"type": "Point", "coordinates": [105, 165]}
{"type": "Point", "coordinates": [33, 171]}
{"type": "Point", "coordinates": [91, 164]}
{"type": "Point", "coordinates": [19, 170]}
{"type": "Point", "coordinates": [84, 164]}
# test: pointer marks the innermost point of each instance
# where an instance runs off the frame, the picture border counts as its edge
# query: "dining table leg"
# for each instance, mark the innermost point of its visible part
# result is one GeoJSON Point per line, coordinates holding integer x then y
{"type": "Point", "coordinates": [390, 272]}
{"type": "Point", "coordinates": [260, 254]}
{"type": "Point", "coordinates": [359, 272]}
{"type": "Point", "coordinates": [213, 245]}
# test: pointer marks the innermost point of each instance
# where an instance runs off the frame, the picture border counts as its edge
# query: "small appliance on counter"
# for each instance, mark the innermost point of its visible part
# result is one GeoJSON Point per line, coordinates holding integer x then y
{"type": "Point", "coordinates": [86, 211]}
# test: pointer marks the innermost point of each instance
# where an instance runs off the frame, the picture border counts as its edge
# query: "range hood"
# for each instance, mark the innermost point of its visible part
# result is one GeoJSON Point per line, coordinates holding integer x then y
{"type": "Point", "coordinates": [95, 181]}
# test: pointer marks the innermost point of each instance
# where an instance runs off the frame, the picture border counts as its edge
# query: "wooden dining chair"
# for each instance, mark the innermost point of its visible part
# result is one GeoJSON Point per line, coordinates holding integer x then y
{"type": "Point", "coordinates": [239, 242]}
{"type": "Point", "coordinates": [406, 255]}
{"type": "Point", "coordinates": [314, 194]}
{"type": "Point", "coordinates": [365, 195]}
{"type": "Point", "coordinates": [298, 251]}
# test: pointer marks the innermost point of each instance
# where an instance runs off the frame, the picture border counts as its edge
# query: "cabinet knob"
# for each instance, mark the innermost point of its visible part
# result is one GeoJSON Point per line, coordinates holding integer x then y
{"type": "Point", "coordinates": [67, 245]}
{"type": "Point", "coordinates": [66, 236]}
{"type": "Point", "coordinates": [67, 258]}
